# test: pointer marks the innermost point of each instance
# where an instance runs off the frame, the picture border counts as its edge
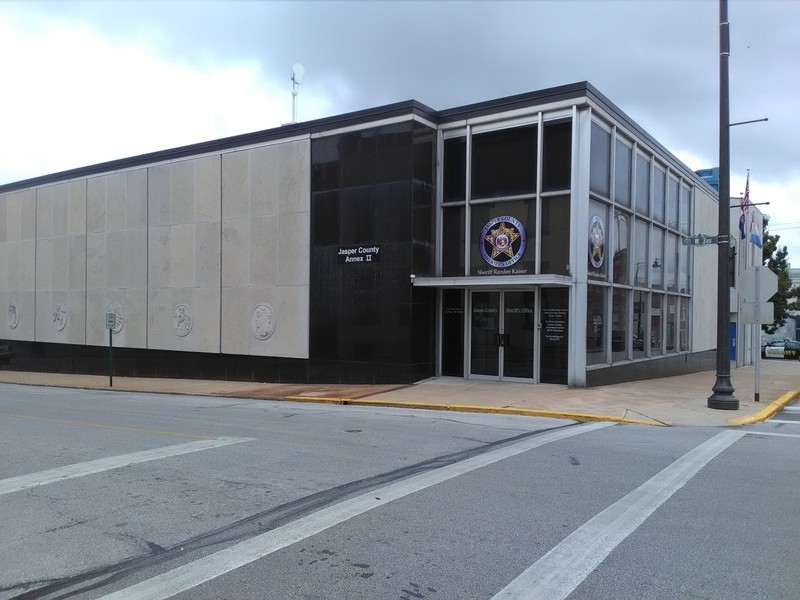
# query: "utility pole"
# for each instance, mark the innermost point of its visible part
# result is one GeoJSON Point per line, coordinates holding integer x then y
{"type": "Point", "coordinates": [723, 397]}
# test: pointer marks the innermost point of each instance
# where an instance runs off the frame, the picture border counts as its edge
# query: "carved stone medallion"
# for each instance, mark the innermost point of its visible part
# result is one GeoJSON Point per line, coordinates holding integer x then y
{"type": "Point", "coordinates": [262, 321]}
{"type": "Point", "coordinates": [182, 319]}
{"type": "Point", "coordinates": [60, 317]}
{"type": "Point", "coordinates": [12, 317]}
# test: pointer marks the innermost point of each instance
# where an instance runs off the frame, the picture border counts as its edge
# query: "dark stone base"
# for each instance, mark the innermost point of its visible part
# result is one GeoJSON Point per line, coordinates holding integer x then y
{"type": "Point", "coordinates": [668, 366]}
{"type": "Point", "coordinates": [134, 362]}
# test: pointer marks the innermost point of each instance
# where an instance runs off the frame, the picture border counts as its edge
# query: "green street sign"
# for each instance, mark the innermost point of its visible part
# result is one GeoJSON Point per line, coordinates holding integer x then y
{"type": "Point", "coordinates": [700, 240]}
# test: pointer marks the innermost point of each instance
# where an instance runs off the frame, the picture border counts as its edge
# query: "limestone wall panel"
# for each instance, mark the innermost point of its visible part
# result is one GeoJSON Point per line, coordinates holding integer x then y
{"type": "Point", "coordinates": [116, 275]}
{"type": "Point", "coordinates": [60, 260]}
{"type": "Point", "coordinates": [265, 250]}
{"type": "Point", "coordinates": [183, 310]}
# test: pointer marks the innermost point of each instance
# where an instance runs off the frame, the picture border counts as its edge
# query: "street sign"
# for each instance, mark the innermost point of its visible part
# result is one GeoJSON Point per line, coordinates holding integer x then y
{"type": "Point", "coordinates": [111, 320]}
{"type": "Point", "coordinates": [751, 313]}
{"type": "Point", "coordinates": [700, 239]}
{"type": "Point", "coordinates": [767, 284]}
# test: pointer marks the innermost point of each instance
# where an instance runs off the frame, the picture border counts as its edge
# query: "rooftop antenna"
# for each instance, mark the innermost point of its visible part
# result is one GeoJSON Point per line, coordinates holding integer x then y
{"type": "Point", "coordinates": [298, 71]}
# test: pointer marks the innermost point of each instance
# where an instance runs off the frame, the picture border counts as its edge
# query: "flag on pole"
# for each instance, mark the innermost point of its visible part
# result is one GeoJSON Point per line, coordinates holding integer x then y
{"type": "Point", "coordinates": [745, 204]}
{"type": "Point", "coordinates": [746, 199]}
{"type": "Point", "coordinates": [754, 235]}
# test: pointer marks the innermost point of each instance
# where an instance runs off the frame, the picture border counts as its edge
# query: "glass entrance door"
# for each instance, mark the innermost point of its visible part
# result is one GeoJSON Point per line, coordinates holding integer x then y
{"type": "Point", "coordinates": [502, 334]}
{"type": "Point", "coordinates": [518, 333]}
{"type": "Point", "coordinates": [485, 345]}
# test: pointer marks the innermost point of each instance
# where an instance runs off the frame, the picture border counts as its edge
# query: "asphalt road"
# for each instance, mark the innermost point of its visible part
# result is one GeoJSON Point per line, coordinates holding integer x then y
{"type": "Point", "coordinates": [130, 495]}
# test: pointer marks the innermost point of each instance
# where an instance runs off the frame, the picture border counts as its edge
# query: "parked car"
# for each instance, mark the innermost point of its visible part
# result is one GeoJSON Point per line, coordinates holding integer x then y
{"type": "Point", "coordinates": [781, 349]}
{"type": "Point", "coordinates": [792, 350]}
{"type": "Point", "coordinates": [773, 349]}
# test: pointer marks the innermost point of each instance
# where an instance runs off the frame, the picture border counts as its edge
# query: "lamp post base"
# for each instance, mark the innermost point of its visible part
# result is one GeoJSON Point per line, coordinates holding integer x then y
{"type": "Point", "coordinates": [723, 398]}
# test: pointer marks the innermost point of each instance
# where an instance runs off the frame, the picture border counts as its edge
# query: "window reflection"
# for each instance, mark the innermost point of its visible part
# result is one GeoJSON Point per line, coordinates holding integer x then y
{"type": "Point", "coordinates": [600, 162]}
{"type": "Point", "coordinates": [595, 321]}
{"type": "Point", "coordinates": [656, 301]}
{"type": "Point", "coordinates": [639, 323]}
{"type": "Point", "coordinates": [621, 242]}
{"type": "Point", "coordinates": [622, 174]}
{"type": "Point", "coordinates": [504, 162]}
{"type": "Point", "coordinates": [642, 185]}
{"type": "Point", "coordinates": [619, 332]}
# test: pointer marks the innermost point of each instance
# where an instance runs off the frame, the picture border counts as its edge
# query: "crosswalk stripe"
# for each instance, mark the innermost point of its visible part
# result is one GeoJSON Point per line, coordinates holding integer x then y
{"type": "Point", "coordinates": [205, 569]}
{"type": "Point", "coordinates": [784, 422]}
{"type": "Point", "coordinates": [22, 482]}
{"type": "Point", "coordinates": [556, 575]}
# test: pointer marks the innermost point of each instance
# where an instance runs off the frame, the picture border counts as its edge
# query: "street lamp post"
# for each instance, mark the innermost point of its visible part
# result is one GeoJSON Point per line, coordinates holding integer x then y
{"type": "Point", "coordinates": [723, 397]}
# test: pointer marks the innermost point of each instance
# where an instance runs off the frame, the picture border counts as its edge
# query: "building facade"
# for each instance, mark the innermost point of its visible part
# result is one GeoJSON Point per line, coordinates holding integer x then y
{"type": "Point", "coordinates": [532, 238]}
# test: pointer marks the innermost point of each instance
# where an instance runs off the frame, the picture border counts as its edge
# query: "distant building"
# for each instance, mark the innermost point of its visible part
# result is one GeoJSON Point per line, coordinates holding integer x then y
{"type": "Point", "coordinates": [710, 176]}
{"type": "Point", "coordinates": [534, 238]}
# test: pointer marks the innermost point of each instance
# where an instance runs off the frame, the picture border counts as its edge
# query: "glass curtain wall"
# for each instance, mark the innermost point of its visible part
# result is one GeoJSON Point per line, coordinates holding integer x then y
{"type": "Point", "coordinates": [492, 194]}
{"type": "Point", "coordinates": [638, 270]}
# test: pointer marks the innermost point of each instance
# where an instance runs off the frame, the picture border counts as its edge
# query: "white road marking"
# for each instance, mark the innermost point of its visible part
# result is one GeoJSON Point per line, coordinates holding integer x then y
{"type": "Point", "coordinates": [783, 421]}
{"type": "Point", "coordinates": [791, 408]}
{"type": "Point", "coordinates": [22, 482]}
{"type": "Point", "coordinates": [790, 435]}
{"type": "Point", "coordinates": [560, 571]}
{"type": "Point", "coordinates": [195, 573]}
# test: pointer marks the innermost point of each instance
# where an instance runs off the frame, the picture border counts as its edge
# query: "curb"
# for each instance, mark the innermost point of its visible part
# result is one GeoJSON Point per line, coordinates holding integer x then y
{"type": "Point", "coordinates": [527, 412]}
{"type": "Point", "coordinates": [768, 411]}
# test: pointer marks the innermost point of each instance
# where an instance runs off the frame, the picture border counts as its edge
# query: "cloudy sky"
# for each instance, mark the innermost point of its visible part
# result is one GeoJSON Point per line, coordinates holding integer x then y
{"type": "Point", "coordinates": [88, 82]}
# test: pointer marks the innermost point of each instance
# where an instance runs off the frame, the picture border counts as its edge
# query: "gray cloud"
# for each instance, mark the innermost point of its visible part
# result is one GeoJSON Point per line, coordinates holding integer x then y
{"type": "Point", "coordinates": [658, 61]}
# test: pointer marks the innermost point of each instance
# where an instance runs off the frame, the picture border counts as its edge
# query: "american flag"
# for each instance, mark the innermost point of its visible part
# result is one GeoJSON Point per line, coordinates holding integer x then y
{"type": "Point", "coordinates": [746, 199]}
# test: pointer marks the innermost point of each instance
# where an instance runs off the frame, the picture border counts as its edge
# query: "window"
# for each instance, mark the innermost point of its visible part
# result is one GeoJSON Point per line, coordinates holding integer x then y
{"type": "Point", "coordinates": [639, 323]}
{"type": "Point", "coordinates": [600, 161]}
{"type": "Point", "coordinates": [683, 324]}
{"type": "Point", "coordinates": [597, 240]}
{"type": "Point", "coordinates": [641, 253]}
{"type": "Point", "coordinates": [685, 216]}
{"type": "Point", "coordinates": [557, 156]}
{"type": "Point", "coordinates": [555, 235]}
{"type": "Point", "coordinates": [642, 185]}
{"type": "Point", "coordinates": [656, 303]}
{"type": "Point", "coordinates": [657, 254]}
{"type": "Point", "coordinates": [621, 241]}
{"type": "Point", "coordinates": [453, 333]}
{"type": "Point", "coordinates": [622, 174]}
{"type": "Point", "coordinates": [453, 241]}
{"type": "Point", "coordinates": [672, 203]}
{"type": "Point", "coordinates": [619, 325]}
{"type": "Point", "coordinates": [683, 269]}
{"type": "Point", "coordinates": [504, 162]}
{"type": "Point", "coordinates": [454, 173]}
{"type": "Point", "coordinates": [671, 263]}
{"type": "Point", "coordinates": [595, 321]}
{"type": "Point", "coordinates": [524, 212]}
{"type": "Point", "coordinates": [659, 189]}
{"type": "Point", "coordinates": [672, 318]}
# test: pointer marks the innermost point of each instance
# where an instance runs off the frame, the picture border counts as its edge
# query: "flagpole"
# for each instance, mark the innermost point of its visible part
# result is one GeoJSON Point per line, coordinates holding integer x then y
{"type": "Point", "coordinates": [723, 397]}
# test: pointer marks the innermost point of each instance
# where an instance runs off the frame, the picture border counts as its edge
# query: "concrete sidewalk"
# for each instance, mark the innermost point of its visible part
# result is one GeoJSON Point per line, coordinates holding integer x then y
{"type": "Point", "coordinates": [679, 400]}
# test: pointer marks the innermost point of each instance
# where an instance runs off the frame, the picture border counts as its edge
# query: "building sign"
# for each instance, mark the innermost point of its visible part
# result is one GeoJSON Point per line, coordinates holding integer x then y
{"type": "Point", "coordinates": [358, 254]}
{"type": "Point", "coordinates": [555, 325]}
{"type": "Point", "coordinates": [502, 243]}
{"type": "Point", "coordinates": [597, 246]}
